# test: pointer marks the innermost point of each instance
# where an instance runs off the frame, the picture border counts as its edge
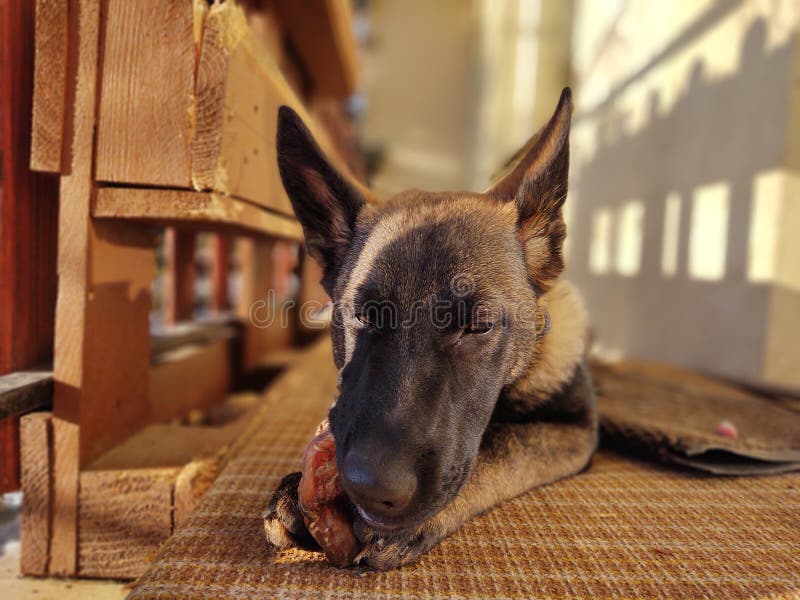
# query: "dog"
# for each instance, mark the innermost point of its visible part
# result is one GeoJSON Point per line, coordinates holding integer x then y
{"type": "Point", "coordinates": [442, 414]}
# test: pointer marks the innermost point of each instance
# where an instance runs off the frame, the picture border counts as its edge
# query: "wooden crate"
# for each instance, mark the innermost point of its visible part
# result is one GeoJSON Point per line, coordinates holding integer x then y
{"type": "Point", "coordinates": [155, 114]}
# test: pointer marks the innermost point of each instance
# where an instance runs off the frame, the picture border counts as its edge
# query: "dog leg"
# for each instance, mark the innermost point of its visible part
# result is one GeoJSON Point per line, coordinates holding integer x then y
{"type": "Point", "coordinates": [283, 522]}
{"type": "Point", "coordinates": [514, 458]}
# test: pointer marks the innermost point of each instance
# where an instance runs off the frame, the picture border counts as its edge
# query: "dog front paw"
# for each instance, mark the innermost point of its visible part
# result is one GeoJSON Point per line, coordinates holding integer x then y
{"type": "Point", "coordinates": [283, 522]}
{"type": "Point", "coordinates": [384, 550]}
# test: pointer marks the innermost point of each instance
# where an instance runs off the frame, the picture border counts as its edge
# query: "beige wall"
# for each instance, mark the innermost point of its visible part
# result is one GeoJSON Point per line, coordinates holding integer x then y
{"type": "Point", "coordinates": [683, 202]}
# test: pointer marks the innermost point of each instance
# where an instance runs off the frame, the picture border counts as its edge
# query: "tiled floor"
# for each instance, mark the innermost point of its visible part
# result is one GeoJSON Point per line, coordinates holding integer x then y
{"type": "Point", "coordinates": [15, 587]}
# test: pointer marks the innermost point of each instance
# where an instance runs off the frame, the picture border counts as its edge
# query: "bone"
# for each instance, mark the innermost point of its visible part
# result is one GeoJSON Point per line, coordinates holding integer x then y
{"type": "Point", "coordinates": [323, 503]}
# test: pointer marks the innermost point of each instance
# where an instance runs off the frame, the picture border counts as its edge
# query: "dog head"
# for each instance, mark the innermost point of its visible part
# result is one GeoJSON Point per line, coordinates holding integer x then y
{"type": "Point", "coordinates": [434, 311]}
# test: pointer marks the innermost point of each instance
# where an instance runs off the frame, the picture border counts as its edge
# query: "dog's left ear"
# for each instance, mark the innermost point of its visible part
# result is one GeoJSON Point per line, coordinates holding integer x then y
{"type": "Point", "coordinates": [537, 184]}
{"type": "Point", "coordinates": [324, 200]}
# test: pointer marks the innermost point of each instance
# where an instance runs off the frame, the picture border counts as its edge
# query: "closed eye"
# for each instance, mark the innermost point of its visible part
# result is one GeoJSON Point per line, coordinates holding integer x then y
{"type": "Point", "coordinates": [478, 328]}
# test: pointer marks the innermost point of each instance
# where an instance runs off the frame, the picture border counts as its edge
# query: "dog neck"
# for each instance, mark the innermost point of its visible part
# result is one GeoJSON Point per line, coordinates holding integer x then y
{"type": "Point", "coordinates": [555, 355]}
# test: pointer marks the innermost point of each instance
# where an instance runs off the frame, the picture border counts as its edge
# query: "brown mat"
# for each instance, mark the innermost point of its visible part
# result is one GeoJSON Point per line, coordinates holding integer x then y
{"type": "Point", "coordinates": [672, 414]}
{"type": "Point", "coordinates": [621, 529]}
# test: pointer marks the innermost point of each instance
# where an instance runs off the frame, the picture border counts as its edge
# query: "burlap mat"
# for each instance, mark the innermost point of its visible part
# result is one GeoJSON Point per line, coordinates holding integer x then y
{"type": "Point", "coordinates": [677, 416]}
{"type": "Point", "coordinates": [623, 528]}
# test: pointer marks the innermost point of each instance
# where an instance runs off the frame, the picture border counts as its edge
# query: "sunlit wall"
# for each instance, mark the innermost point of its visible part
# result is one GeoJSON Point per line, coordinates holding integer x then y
{"type": "Point", "coordinates": [684, 182]}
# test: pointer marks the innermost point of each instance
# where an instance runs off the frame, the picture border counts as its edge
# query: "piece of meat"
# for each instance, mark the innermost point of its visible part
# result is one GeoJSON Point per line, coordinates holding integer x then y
{"type": "Point", "coordinates": [323, 502]}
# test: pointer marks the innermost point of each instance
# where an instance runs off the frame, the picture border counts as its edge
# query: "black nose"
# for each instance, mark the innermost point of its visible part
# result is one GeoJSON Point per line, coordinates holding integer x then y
{"type": "Point", "coordinates": [382, 488]}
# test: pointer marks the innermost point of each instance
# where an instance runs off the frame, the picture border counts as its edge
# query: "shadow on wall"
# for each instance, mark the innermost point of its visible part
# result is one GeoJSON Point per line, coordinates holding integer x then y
{"type": "Point", "coordinates": [664, 234]}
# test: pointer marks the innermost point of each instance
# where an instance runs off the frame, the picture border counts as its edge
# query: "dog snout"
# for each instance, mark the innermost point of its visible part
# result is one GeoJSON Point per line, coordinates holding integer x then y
{"type": "Point", "coordinates": [383, 489]}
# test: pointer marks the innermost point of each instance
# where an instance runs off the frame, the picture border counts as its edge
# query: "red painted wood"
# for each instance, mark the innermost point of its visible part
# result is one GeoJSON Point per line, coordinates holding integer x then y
{"type": "Point", "coordinates": [9, 454]}
{"type": "Point", "coordinates": [220, 257]}
{"type": "Point", "coordinates": [179, 299]}
{"type": "Point", "coordinates": [28, 206]}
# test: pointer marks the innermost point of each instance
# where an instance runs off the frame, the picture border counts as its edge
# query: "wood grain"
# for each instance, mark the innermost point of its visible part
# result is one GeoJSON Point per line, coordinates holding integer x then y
{"type": "Point", "coordinates": [25, 391]}
{"type": "Point", "coordinates": [201, 209]}
{"type": "Point", "coordinates": [124, 516]}
{"type": "Point", "coordinates": [239, 90]}
{"type": "Point", "coordinates": [50, 82]}
{"type": "Point", "coordinates": [36, 438]}
{"type": "Point", "coordinates": [147, 98]}
{"type": "Point", "coordinates": [64, 511]}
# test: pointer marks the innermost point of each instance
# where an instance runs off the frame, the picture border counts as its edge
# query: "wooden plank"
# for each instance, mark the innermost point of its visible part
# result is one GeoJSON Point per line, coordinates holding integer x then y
{"type": "Point", "coordinates": [321, 34]}
{"type": "Point", "coordinates": [189, 378]}
{"type": "Point", "coordinates": [199, 332]}
{"type": "Point", "coordinates": [239, 90]}
{"type": "Point", "coordinates": [147, 97]}
{"type": "Point", "coordinates": [28, 206]}
{"type": "Point", "coordinates": [64, 511]}
{"type": "Point", "coordinates": [36, 435]}
{"type": "Point", "coordinates": [179, 299]}
{"type": "Point", "coordinates": [25, 391]}
{"type": "Point", "coordinates": [50, 82]}
{"type": "Point", "coordinates": [102, 346]}
{"type": "Point", "coordinates": [266, 326]}
{"type": "Point", "coordinates": [219, 272]}
{"type": "Point", "coordinates": [124, 516]}
{"type": "Point", "coordinates": [9, 454]}
{"type": "Point", "coordinates": [201, 209]}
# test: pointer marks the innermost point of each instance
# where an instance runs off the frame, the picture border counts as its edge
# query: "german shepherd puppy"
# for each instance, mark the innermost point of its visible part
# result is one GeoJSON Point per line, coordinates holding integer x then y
{"type": "Point", "coordinates": [462, 380]}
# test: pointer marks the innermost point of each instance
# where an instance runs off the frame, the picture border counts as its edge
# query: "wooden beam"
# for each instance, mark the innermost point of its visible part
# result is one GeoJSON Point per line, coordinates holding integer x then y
{"type": "Point", "coordinates": [189, 378]}
{"type": "Point", "coordinates": [321, 33]}
{"type": "Point", "coordinates": [124, 516]}
{"type": "Point", "coordinates": [25, 391]}
{"type": "Point", "coordinates": [202, 209]}
{"type": "Point", "coordinates": [266, 328]}
{"type": "Point", "coordinates": [36, 436]}
{"type": "Point", "coordinates": [239, 90]}
{"type": "Point", "coordinates": [221, 253]}
{"type": "Point", "coordinates": [147, 98]}
{"type": "Point", "coordinates": [179, 299]}
{"type": "Point", "coordinates": [50, 85]}
{"type": "Point", "coordinates": [64, 507]}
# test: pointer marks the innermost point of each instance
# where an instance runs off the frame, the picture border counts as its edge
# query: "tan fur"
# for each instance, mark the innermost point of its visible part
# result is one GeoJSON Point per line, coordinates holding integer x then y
{"type": "Point", "coordinates": [557, 353]}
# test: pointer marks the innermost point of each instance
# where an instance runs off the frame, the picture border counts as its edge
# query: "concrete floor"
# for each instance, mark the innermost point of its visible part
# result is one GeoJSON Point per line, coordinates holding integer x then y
{"type": "Point", "coordinates": [15, 587]}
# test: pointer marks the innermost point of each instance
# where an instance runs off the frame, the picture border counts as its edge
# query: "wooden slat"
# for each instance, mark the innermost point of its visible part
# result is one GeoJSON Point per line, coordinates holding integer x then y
{"type": "Point", "coordinates": [64, 508]}
{"type": "Point", "coordinates": [189, 378]}
{"type": "Point", "coordinates": [219, 272]}
{"type": "Point", "coordinates": [321, 34]}
{"type": "Point", "coordinates": [239, 90]}
{"type": "Point", "coordinates": [37, 486]}
{"type": "Point", "coordinates": [25, 391]}
{"type": "Point", "coordinates": [102, 346]}
{"type": "Point", "coordinates": [266, 329]}
{"type": "Point", "coordinates": [28, 206]}
{"type": "Point", "coordinates": [202, 209]}
{"type": "Point", "coordinates": [50, 82]}
{"type": "Point", "coordinates": [146, 101]}
{"type": "Point", "coordinates": [124, 516]}
{"type": "Point", "coordinates": [179, 300]}
{"type": "Point", "coordinates": [9, 454]}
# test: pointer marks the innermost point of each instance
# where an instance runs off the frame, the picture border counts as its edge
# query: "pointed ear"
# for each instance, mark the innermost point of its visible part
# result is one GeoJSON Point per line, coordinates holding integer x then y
{"type": "Point", "coordinates": [537, 184]}
{"type": "Point", "coordinates": [324, 201]}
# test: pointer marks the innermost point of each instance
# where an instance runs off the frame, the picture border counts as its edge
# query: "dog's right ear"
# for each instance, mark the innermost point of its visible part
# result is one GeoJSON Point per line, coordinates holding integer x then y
{"type": "Point", "coordinates": [324, 201]}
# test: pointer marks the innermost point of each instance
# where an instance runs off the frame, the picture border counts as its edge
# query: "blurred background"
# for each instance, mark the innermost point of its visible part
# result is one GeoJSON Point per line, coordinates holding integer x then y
{"type": "Point", "coordinates": [683, 206]}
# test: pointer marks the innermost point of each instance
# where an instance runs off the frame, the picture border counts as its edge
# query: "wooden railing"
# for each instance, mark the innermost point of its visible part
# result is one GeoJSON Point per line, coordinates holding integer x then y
{"type": "Point", "coordinates": [156, 115]}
